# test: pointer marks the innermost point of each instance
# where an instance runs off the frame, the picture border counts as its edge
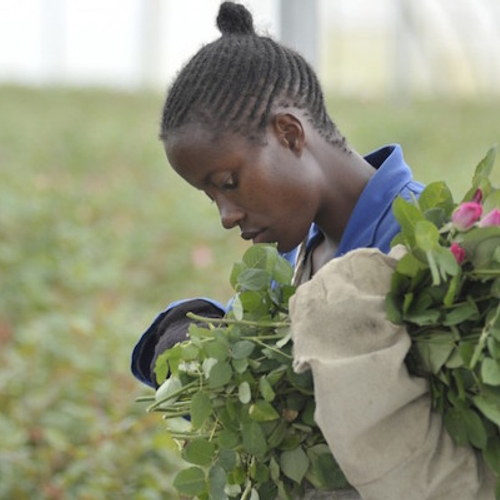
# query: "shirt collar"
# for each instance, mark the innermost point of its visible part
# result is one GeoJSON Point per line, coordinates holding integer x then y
{"type": "Point", "coordinates": [392, 174]}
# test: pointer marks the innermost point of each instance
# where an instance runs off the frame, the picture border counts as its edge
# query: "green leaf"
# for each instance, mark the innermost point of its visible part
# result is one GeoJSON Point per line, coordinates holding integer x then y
{"type": "Point", "coordinates": [259, 472]}
{"type": "Point", "coordinates": [453, 287]}
{"type": "Point", "coordinates": [434, 353]}
{"type": "Point", "coordinates": [466, 348]}
{"type": "Point", "coordinates": [460, 313]}
{"type": "Point", "coordinates": [277, 435]}
{"type": "Point", "coordinates": [485, 166]}
{"type": "Point", "coordinates": [253, 301]}
{"type": "Point", "coordinates": [220, 374]}
{"type": "Point", "coordinates": [228, 439]}
{"type": "Point", "coordinates": [493, 348]}
{"type": "Point", "coordinates": [227, 459]}
{"type": "Point", "coordinates": [200, 452]}
{"type": "Point", "coordinates": [217, 349]}
{"type": "Point", "coordinates": [200, 409]}
{"type": "Point", "coordinates": [237, 307]}
{"type": "Point", "coordinates": [455, 425]}
{"type": "Point", "coordinates": [254, 279]}
{"type": "Point", "coordinates": [190, 482]}
{"type": "Point", "coordinates": [455, 360]}
{"type": "Point", "coordinates": [446, 262]}
{"type": "Point", "coordinates": [217, 483]}
{"type": "Point", "coordinates": [238, 268]}
{"type": "Point", "coordinates": [489, 408]}
{"type": "Point", "coordinates": [436, 194]}
{"type": "Point", "coordinates": [171, 386]}
{"type": "Point", "coordinates": [476, 431]}
{"type": "Point", "coordinates": [266, 389]}
{"type": "Point", "coordinates": [480, 244]}
{"type": "Point", "coordinates": [259, 255]}
{"type": "Point", "coordinates": [254, 441]}
{"type": "Point", "coordinates": [282, 271]}
{"type": "Point", "coordinates": [407, 214]}
{"type": "Point", "coordinates": [274, 469]}
{"type": "Point", "coordinates": [294, 464]}
{"type": "Point", "coordinates": [244, 392]}
{"type": "Point", "coordinates": [240, 365]}
{"type": "Point", "coordinates": [207, 366]}
{"type": "Point", "coordinates": [408, 299]}
{"type": "Point", "coordinates": [426, 235]}
{"type": "Point", "coordinates": [426, 317]}
{"type": "Point", "coordinates": [189, 352]}
{"type": "Point", "coordinates": [262, 411]}
{"type": "Point", "coordinates": [242, 349]}
{"type": "Point", "coordinates": [438, 217]}
{"type": "Point", "coordinates": [492, 455]}
{"type": "Point", "coordinates": [436, 275]}
{"type": "Point", "coordinates": [490, 371]}
{"type": "Point", "coordinates": [492, 201]}
{"type": "Point", "coordinates": [393, 309]}
{"type": "Point", "coordinates": [409, 265]}
{"type": "Point", "coordinates": [254, 495]}
{"type": "Point", "coordinates": [325, 471]}
{"type": "Point", "coordinates": [168, 359]}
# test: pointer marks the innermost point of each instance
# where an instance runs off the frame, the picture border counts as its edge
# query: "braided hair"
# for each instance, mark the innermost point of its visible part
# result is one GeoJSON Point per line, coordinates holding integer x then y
{"type": "Point", "coordinates": [233, 83]}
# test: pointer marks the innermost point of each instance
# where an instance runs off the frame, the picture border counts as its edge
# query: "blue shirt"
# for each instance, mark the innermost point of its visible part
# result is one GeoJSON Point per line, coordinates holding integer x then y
{"type": "Point", "coordinates": [371, 225]}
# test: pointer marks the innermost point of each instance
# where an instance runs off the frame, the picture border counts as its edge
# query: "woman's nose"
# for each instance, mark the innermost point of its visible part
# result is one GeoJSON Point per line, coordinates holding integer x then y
{"type": "Point", "coordinates": [230, 214]}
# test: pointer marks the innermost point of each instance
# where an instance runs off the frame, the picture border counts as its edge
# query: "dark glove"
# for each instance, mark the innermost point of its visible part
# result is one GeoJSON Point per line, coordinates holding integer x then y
{"type": "Point", "coordinates": [173, 327]}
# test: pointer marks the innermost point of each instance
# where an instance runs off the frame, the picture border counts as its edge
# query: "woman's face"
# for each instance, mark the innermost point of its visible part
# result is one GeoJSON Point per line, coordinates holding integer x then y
{"type": "Point", "coordinates": [269, 191]}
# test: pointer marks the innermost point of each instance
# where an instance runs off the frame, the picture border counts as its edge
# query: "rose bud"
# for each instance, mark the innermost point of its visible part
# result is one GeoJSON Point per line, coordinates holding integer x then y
{"type": "Point", "coordinates": [465, 215]}
{"type": "Point", "coordinates": [478, 196]}
{"type": "Point", "coordinates": [458, 252]}
{"type": "Point", "coordinates": [492, 218]}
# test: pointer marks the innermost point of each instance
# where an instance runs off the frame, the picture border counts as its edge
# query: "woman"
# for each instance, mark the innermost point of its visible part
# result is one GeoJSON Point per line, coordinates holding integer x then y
{"type": "Point", "coordinates": [245, 122]}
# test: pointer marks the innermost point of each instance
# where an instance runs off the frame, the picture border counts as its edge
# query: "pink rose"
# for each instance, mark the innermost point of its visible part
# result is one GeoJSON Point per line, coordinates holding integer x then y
{"type": "Point", "coordinates": [458, 252]}
{"type": "Point", "coordinates": [466, 214]}
{"type": "Point", "coordinates": [492, 218]}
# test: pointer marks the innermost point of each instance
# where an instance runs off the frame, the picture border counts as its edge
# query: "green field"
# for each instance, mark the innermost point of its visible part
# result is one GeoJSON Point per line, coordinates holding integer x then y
{"type": "Point", "coordinates": [96, 236]}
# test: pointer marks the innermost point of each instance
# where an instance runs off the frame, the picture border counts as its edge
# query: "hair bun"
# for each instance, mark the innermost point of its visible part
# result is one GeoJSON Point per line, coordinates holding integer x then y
{"type": "Point", "coordinates": [234, 19]}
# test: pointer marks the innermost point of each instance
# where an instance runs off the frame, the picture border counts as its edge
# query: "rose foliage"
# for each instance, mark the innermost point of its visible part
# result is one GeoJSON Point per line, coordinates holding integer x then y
{"type": "Point", "coordinates": [446, 290]}
{"type": "Point", "coordinates": [244, 420]}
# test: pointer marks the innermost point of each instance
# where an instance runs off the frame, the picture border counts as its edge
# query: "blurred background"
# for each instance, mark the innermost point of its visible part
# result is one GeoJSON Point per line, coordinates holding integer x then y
{"type": "Point", "coordinates": [97, 234]}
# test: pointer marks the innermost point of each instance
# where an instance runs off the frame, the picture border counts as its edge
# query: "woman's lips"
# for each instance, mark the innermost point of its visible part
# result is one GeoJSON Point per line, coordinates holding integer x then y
{"type": "Point", "coordinates": [252, 235]}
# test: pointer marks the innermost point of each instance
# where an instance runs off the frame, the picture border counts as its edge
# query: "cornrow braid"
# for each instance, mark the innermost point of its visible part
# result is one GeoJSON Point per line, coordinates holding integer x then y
{"type": "Point", "coordinates": [234, 83]}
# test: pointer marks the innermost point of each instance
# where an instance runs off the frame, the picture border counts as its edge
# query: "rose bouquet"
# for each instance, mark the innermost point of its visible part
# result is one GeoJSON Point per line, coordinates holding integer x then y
{"type": "Point", "coordinates": [446, 290]}
{"type": "Point", "coordinates": [243, 419]}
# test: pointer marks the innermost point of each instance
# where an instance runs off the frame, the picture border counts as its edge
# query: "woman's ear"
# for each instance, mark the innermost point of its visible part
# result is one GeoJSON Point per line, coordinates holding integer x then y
{"type": "Point", "coordinates": [289, 131]}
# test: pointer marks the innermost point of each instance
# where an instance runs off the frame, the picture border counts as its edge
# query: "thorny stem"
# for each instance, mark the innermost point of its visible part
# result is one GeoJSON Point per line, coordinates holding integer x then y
{"type": "Point", "coordinates": [188, 435]}
{"type": "Point", "coordinates": [144, 399]}
{"type": "Point", "coordinates": [271, 348]}
{"type": "Point", "coordinates": [230, 321]}
{"type": "Point", "coordinates": [484, 272]}
{"type": "Point", "coordinates": [247, 491]}
{"type": "Point", "coordinates": [174, 414]}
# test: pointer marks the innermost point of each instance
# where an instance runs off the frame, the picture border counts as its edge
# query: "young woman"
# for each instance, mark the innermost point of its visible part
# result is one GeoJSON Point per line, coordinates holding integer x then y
{"type": "Point", "coordinates": [245, 122]}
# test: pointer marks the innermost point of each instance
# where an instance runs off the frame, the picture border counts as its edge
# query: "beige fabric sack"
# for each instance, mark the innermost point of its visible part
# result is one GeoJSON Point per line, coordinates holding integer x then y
{"type": "Point", "coordinates": [376, 419]}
